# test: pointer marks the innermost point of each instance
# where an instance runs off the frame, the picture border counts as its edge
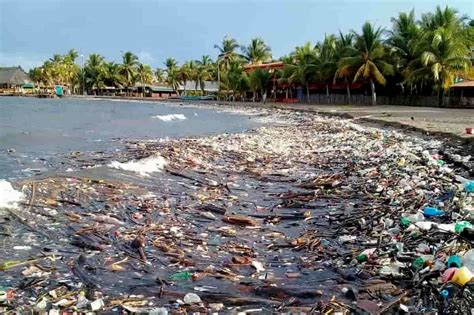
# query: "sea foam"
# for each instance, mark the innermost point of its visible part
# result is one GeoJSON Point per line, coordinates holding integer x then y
{"type": "Point", "coordinates": [142, 167]}
{"type": "Point", "coordinates": [170, 117]}
{"type": "Point", "coordinates": [9, 197]}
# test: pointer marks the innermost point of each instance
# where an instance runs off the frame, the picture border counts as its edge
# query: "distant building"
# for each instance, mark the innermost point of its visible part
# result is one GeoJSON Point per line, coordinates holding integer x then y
{"type": "Point", "coordinates": [462, 93]}
{"type": "Point", "coordinates": [155, 90]}
{"type": "Point", "coordinates": [210, 87]}
{"type": "Point", "coordinates": [14, 80]}
{"type": "Point", "coordinates": [263, 66]}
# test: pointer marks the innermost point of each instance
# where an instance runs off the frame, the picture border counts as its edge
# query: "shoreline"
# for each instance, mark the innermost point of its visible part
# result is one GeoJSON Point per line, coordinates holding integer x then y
{"type": "Point", "coordinates": [462, 144]}
{"type": "Point", "coordinates": [389, 115]}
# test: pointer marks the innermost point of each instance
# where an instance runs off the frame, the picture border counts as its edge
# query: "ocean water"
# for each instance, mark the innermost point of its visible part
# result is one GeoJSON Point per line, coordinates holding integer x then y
{"type": "Point", "coordinates": [38, 135]}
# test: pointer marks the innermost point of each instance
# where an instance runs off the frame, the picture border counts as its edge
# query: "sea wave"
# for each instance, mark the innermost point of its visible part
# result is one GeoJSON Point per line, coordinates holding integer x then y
{"type": "Point", "coordinates": [9, 197]}
{"type": "Point", "coordinates": [170, 117]}
{"type": "Point", "coordinates": [143, 167]}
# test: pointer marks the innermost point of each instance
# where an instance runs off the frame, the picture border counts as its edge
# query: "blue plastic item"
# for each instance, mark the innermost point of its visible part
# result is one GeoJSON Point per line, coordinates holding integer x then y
{"type": "Point", "coordinates": [444, 293]}
{"type": "Point", "coordinates": [469, 186]}
{"type": "Point", "coordinates": [432, 212]}
{"type": "Point", "coordinates": [454, 261]}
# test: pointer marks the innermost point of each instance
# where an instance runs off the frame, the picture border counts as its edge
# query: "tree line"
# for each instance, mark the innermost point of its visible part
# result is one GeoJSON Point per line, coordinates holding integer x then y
{"type": "Point", "coordinates": [414, 57]}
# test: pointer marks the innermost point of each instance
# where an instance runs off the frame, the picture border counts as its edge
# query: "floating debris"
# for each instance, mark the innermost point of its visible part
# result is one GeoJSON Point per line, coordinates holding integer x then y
{"type": "Point", "coordinates": [312, 214]}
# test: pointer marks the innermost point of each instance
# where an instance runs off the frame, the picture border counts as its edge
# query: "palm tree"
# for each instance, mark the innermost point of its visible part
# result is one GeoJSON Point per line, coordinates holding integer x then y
{"type": "Point", "coordinates": [258, 80]}
{"type": "Point", "coordinates": [285, 74]}
{"type": "Point", "coordinates": [344, 46]}
{"type": "Point", "coordinates": [327, 64]}
{"type": "Point", "coordinates": [129, 69]}
{"type": "Point", "coordinates": [36, 75]}
{"type": "Point", "coordinates": [236, 80]}
{"type": "Point", "coordinates": [204, 71]}
{"type": "Point", "coordinates": [170, 63]}
{"type": "Point", "coordinates": [448, 18]}
{"type": "Point", "coordinates": [192, 70]}
{"type": "Point", "coordinates": [184, 74]}
{"type": "Point", "coordinates": [95, 71]}
{"type": "Point", "coordinates": [159, 75]}
{"type": "Point", "coordinates": [72, 55]}
{"type": "Point", "coordinates": [144, 76]}
{"type": "Point", "coordinates": [367, 60]}
{"type": "Point", "coordinates": [304, 66]}
{"type": "Point", "coordinates": [227, 52]}
{"type": "Point", "coordinates": [257, 52]}
{"type": "Point", "coordinates": [404, 41]}
{"type": "Point", "coordinates": [47, 72]}
{"type": "Point", "coordinates": [172, 73]}
{"type": "Point", "coordinates": [69, 69]}
{"type": "Point", "coordinates": [227, 55]}
{"type": "Point", "coordinates": [446, 45]}
{"type": "Point", "coordinates": [112, 75]}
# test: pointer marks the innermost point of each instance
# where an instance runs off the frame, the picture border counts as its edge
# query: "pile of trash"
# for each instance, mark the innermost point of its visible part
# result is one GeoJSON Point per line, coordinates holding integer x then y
{"type": "Point", "coordinates": [315, 214]}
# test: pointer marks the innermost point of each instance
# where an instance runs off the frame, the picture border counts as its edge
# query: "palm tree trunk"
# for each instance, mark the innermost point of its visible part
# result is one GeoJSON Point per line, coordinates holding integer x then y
{"type": "Point", "coordinates": [184, 83]}
{"type": "Point", "coordinates": [348, 93]}
{"type": "Point", "coordinates": [307, 92]}
{"type": "Point", "coordinates": [327, 94]}
{"type": "Point", "coordinates": [218, 80]}
{"type": "Point", "coordinates": [374, 95]}
{"type": "Point", "coordinates": [441, 96]}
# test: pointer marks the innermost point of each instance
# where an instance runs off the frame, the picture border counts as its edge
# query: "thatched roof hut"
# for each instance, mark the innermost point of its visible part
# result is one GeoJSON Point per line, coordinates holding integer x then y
{"type": "Point", "coordinates": [13, 77]}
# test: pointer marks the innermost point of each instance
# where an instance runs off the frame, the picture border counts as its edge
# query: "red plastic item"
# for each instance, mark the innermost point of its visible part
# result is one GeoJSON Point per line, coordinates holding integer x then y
{"type": "Point", "coordinates": [469, 131]}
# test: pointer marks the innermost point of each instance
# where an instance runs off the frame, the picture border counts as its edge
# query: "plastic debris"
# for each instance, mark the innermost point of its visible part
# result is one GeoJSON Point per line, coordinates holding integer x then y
{"type": "Point", "coordinates": [192, 298]}
{"type": "Point", "coordinates": [309, 215]}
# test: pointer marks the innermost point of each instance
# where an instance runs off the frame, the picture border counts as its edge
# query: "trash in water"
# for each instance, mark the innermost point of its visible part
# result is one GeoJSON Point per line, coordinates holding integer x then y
{"type": "Point", "coordinates": [307, 215]}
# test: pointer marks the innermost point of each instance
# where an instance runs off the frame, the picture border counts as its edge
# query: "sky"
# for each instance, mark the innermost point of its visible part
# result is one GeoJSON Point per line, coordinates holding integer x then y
{"type": "Point", "coordinates": [31, 31]}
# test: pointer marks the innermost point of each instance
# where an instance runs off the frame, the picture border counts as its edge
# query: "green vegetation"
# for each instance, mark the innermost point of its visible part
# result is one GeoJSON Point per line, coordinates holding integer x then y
{"type": "Point", "coordinates": [414, 57]}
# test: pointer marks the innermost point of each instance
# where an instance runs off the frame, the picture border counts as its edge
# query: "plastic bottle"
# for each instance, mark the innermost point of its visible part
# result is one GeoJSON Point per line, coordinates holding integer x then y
{"type": "Point", "coordinates": [432, 212]}
{"type": "Point", "coordinates": [468, 259]}
{"type": "Point", "coordinates": [460, 226]}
